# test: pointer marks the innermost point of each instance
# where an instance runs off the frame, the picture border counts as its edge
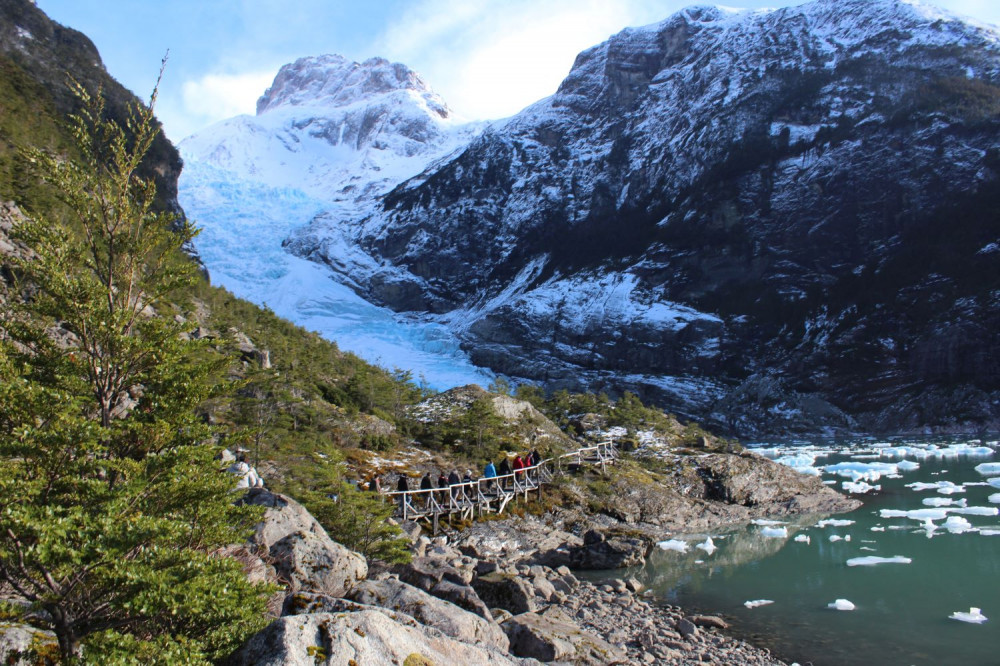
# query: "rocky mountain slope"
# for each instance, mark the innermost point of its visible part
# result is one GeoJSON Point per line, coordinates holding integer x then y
{"type": "Point", "coordinates": [779, 221]}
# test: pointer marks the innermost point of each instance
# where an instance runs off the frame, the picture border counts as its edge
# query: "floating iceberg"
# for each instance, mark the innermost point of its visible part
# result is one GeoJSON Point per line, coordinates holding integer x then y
{"type": "Point", "coordinates": [988, 469]}
{"type": "Point", "coordinates": [943, 501]}
{"type": "Point", "coordinates": [872, 560]}
{"type": "Point", "coordinates": [878, 528]}
{"type": "Point", "coordinates": [974, 616]}
{"type": "Point", "coordinates": [995, 498]}
{"type": "Point", "coordinates": [835, 538]}
{"type": "Point", "coordinates": [774, 532]}
{"type": "Point", "coordinates": [841, 605]}
{"type": "Point", "coordinates": [708, 546]}
{"type": "Point", "coordinates": [859, 471]}
{"type": "Point", "coordinates": [975, 510]}
{"type": "Point", "coordinates": [834, 522]}
{"type": "Point", "coordinates": [942, 487]}
{"type": "Point", "coordinates": [674, 544]}
{"type": "Point", "coordinates": [766, 522]}
{"type": "Point", "coordinates": [756, 603]}
{"type": "Point", "coordinates": [859, 487]}
{"type": "Point", "coordinates": [915, 514]}
{"type": "Point", "coordinates": [802, 538]}
{"type": "Point", "coordinates": [957, 525]}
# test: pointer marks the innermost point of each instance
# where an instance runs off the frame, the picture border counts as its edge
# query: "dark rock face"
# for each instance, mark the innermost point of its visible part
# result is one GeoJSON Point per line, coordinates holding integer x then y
{"type": "Point", "coordinates": [784, 221]}
{"type": "Point", "coordinates": [46, 51]}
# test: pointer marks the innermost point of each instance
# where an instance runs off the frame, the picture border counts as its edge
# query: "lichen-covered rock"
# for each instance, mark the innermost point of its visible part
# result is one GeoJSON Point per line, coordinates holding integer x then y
{"type": "Point", "coordinates": [426, 572]}
{"type": "Point", "coordinates": [554, 638]}
{"type": "Point", "coordinates": [431, 611]}
{"type": "Point", "coordinates": [306, 561]}
{"type": "Point", "coordinates": [21, 645]}
{"type": "Point", "coordinates": [361, 638]}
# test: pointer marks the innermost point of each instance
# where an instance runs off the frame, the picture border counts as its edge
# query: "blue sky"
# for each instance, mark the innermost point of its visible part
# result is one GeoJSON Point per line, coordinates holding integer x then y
{"type": "Point", "coordinates": [487, 58]}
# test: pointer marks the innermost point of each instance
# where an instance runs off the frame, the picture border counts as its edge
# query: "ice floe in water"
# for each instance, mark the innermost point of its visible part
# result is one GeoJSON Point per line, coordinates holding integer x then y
{"type": "Point", "coordinates": [974, 510]}
{"type": "Point", "coordinates": [995, 498]}
{"type": "Point", "coordinates": [861, 471]}
{"type": "Point", "coordinates": [834, 522]}
{"type": "Point", "coordinates": [774, 532]}
{"type": "Point", "coordinates": [878, 528]}
{"type": "Point", "coordinates": [995, 482]}
{"type": "Point", "coordinates": [835, 538]}
{"type": "Point", "coordinates": [708, 546]}
{"type": "Point", "coordinates": [859, 487]}
{"type": "Point", "coordinates": [988, 469]}
{"type": "Point", "coordinates": [766, 522]}
{"type": "Point", "coordinates": [802, 538]}
{"type": "Point", "coordinates": [957, 525]}
{"type": "Point", "coordinates": [674, 544]}
{"type": "Point", "coordinates": [974, 616]}
{"type": "Point", "coordinates": [841, 605]}
{"type": "Point", "coordinates": [943, 487]}
{"type": "Point", "coordinates": [757, 603]}
{"type": "Point", "coordinates": [942, 501]}
{"type": "Point", "coordinates": [915, 514]}
{"type": "Point", "coordinates": [872, 560]}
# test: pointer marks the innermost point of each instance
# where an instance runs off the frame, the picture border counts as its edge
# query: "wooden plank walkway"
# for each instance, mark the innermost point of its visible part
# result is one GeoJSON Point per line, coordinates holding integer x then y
{"type": "Point", "coordinates": [472, 499]}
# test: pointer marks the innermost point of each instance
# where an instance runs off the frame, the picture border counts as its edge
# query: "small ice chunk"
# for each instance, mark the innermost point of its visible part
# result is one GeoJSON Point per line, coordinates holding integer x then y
{"type": "Point", "coordinates": [957, 525]}
{"type": "Point", "coordinates": [674, 544]}
{"type": "Point", "coordinates": [943, 501]}
{"type": "Point", "coordinates": [802, 538]}
{"type": "Point", "coordinates": [878, 528]}
{"type": "Point", "coordinates": [908, 465]}
{"type": "Point", "coordinates": [915, 514]}
{"type": "Point", "coordinates": [841, 605]}
{"type": "Point", "coordinates": [988, 469]}
{"type": "Point", "coordinates": [834, 522]}
{"type": "Point", "coordinates": [974, 616]}
{"type": "Point", "coordinates": [835, 538]}
{"type": "Point", "coordinates": [995, 482]}
{"type": "Point", "coordinates": [995, 498]}
{"type": "Point", "coordinates": [708, 546]}
{"type": "Point", "coordinates": [989, 532]}
{"type": "Point", "coordinates": [847, 538]}
{"type": "Point", "coordinates": [774, 532]}
{"type": "Point", "coordinates": [870, 550]}
{"type": "Point", "coordinates": [872, 560]}
{"type": "Point", "coordinates": [756, 603]}
{"type": "Point", "coordinates": [860, 487]}
{"type": "Point", "coordinates": [766, 522]}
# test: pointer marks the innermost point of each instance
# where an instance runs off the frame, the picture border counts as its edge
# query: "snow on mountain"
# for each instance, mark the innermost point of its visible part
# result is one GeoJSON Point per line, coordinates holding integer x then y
{"type": "Point", "coordinates": [798, 182]}
{"type": "Point", "coordinates": [329, 137]}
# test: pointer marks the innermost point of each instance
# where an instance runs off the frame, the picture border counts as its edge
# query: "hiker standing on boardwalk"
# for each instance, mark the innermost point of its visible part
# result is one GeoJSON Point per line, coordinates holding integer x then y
{"type": "Point", "coordinates": [489, 472]}
{"type": "Point", "coordinates": [427, 483]}
{"type": "Point", "coordinates": [402, 486]}
{"type": "Point", "coordinates": [453, 480]}
{"type": "Point", "coordinates": [504, 471]}
{"type": "Point", "coordinates": [518, 467]}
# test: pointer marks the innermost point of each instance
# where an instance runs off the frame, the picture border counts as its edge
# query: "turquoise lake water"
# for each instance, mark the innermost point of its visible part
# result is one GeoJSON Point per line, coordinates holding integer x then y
{"type": "Point", "coordinates": [901, 610]}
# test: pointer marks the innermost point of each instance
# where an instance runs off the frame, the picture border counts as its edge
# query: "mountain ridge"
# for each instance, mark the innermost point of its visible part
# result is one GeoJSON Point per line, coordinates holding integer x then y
{"type": "Point", "coordinates": [697, 211]}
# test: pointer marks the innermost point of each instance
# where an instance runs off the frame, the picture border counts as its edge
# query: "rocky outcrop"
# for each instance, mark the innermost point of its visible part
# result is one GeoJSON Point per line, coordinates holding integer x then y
{"type": "Point", "coordinates": [364, 637]}
{"type": "Point", "coordinates": [303, 555]}
{"type": "Point", "coordinates": [508, 591]}
{"type": "Point", "coordinates": [431, 612]}
{"type": "Point", "coordinates": [549, 639]}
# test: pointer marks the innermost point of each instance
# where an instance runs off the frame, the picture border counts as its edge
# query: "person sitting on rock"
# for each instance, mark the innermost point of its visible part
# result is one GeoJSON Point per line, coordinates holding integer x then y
{"type": "Point", "coordinates": [248, 477]}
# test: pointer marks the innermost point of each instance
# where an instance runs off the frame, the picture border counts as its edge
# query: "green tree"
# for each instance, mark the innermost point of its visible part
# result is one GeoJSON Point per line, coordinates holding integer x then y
{"type": "Point", "coordinates": [480, 424]}
{"type": "Point", "coordinates": [113, 507]}
{"type": "Point", "coordinates": [358, 519]}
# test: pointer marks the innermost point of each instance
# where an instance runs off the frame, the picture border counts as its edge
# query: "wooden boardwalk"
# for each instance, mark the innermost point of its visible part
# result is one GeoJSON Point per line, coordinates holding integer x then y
{"type": "Point", "coordinates": [472, 499]}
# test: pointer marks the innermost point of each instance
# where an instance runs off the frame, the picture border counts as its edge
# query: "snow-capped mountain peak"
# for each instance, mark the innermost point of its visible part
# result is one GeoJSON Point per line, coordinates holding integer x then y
{"type": "Point", "coordinates": [332, 81]}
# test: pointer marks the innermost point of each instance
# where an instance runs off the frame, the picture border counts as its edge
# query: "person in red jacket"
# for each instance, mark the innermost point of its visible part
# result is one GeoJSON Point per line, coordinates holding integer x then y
{"type": "Point", "coordinates": [518, 468]}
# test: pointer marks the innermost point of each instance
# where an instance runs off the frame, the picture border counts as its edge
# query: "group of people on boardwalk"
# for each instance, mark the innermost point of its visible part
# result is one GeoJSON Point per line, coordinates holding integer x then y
{"type": "Point", "coordinates": [521, 468]}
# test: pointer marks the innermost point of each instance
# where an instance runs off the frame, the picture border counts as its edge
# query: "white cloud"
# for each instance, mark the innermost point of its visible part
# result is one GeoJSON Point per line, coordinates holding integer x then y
{"type": "Point", "coordinates": [224, 95]}
{"type": "Point", "coordinates": [490, 59]}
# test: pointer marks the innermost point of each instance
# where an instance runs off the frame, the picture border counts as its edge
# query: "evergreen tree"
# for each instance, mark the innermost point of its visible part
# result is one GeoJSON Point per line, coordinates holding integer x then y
{"type": "Point", "coordinates": [113, 506]}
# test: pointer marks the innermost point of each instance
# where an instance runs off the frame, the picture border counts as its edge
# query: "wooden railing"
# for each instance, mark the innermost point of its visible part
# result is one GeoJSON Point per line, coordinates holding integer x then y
{"type": "Point", "coordinates": [493, 494]}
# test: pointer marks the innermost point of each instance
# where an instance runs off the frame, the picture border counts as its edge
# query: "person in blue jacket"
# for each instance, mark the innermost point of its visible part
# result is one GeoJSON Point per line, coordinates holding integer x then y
{"type": "Point", "coordinates": [489, 472]}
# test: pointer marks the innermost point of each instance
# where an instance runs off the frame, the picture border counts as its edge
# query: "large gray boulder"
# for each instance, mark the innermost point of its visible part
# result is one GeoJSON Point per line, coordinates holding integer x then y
{"type": "Point", "coordinates": [426, 572]}
{"type": "Point", "coordinates": [360, 638]}
{"type": "Point", "coordinates": [555, 638]}
{"type": "Point", "coordinates": [283, 516]}
{"type": "Point", "coordinates": [306, 561]}
{"type": "Point", "coordinates": [507, 591]}
{"type": "Point", "coordinates": [302, 553]}
{"type": "Point", "coordinates": [463, 596]}
{"type": "Point", "coordinates": [431, 611]}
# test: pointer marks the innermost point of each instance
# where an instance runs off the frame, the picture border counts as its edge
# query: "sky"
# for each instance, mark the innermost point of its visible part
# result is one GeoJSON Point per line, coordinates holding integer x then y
{"type": "Point", "coordinates": [487, 58]}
